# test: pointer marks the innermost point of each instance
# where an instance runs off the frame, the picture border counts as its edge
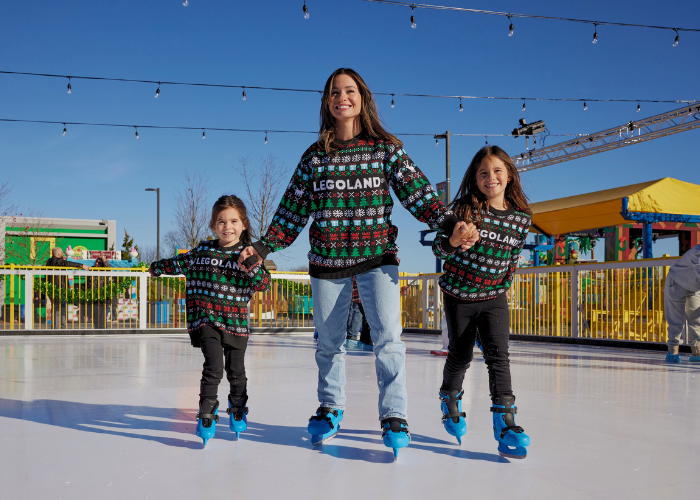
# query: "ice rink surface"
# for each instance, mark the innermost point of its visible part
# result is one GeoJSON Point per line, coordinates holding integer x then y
{"type": "Point", "coordinates": [114, 418]}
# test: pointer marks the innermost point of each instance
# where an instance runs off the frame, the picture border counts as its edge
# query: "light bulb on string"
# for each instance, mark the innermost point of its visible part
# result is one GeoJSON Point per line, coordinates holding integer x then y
{"type": "Point", "coordinates": [137, 133]}
{"type": "Point", "coordinates": [306, 11]}
{"type": "Point", "coordinates": [678, 38]}
{"type": "Point", "coordinates": [204, 134]}
{"type": "Point", "coordinates": [510, 28]}
{"type": "Point", "coordinates": [158, 91]}
{"type": "Point", "coordinates": [487, 140]}
{"type": "Point", "coordinates": [413, 18]}
{"type": "Point", "coordinates": [266, 137]}
{"type": "Point", "coordinates": [70, 89]}
{"type": "Point", "coordinates": [393, 104]}
{"type": "Point", "coordinates": [595, 34]}
{"type": "Point", "coordinates": [461, 108]}
{"type": "Point", "coordinates": [64, 129]}
{"type": "Point", "coordinates": [639, 108]}
{"type": "Point", "coordinates": [245, 98]}
{"type": "Point", "coordinates": [185, 2]}
{"type": "Point", "coordinates": [524, 105]}
{"type": "Point", "coordinates": [585, 106]}
{"type": "Point", "coordinates": [436, 142]}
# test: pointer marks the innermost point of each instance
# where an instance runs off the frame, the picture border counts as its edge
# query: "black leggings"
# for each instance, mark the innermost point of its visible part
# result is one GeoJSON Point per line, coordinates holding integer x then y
{"type": "Point", "coordinates": [491, 318]}
{"type": "Point", "coordinates": [216, 358]}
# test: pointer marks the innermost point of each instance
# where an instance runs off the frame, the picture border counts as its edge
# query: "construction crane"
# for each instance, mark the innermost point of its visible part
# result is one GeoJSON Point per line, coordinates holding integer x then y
{"type": "Point", "coordinates": [634, 132]}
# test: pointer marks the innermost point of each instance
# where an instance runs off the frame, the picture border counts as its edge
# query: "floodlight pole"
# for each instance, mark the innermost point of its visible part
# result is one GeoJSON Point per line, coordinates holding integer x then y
{"type": "Point", "coordinates": [157, 190]}
{"type": "Point", "coordinates": [446, 136]}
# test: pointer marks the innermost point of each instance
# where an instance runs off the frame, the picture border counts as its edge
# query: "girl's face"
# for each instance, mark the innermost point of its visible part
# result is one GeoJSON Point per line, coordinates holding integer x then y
{"type": "Point", "coordinates": [229, 227]}
{"type": "Point", "coordinates": [345, 102]}
{"type": "Point", "coordinates": [492, 179]}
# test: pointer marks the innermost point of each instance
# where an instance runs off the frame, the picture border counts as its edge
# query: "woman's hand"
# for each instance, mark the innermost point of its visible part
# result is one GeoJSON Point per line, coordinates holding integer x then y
{"type": "Point", "coordinates": [465, 235]}
{"type": "Point", "coordinates": [246, 253]}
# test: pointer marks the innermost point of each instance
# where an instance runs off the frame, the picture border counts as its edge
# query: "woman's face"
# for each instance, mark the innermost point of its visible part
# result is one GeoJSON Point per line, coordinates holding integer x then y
{"type": "Point", "coordinates": [345, 102]}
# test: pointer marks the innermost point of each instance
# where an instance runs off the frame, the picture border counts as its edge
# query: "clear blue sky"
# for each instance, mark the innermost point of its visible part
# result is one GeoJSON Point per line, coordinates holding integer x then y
{"type": "Point", "coordinates": [101, 173]}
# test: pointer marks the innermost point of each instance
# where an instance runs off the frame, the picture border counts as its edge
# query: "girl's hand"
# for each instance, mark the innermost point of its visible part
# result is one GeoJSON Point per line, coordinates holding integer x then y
{"type": "Point", "coordinates": [464, 235]}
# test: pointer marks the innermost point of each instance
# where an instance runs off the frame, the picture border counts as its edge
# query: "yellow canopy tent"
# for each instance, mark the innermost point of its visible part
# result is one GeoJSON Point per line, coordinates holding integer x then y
{"type": "Point", "coordinates": [602, 208]}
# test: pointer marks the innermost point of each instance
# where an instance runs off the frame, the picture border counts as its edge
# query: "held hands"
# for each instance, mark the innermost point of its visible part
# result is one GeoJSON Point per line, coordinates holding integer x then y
{"type": "Point", "coordinates": [85, 268]}
{"type": "Point", "coordinates": [248, 258]}
{"type": "Point", "coordinates": [465, 235]}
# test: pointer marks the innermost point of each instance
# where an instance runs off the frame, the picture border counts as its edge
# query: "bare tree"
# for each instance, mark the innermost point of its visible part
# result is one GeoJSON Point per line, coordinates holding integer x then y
{"type": "Point", "coordinates": [6, 208]}
{"type": "Point", "coordinates": [263, 186]}
{"type": "Point", "coordinates": [147, 254]}
{"type": "Point", "coordinates": [191, 212]}
{"type": "Point", "coordinates": [29, 239]}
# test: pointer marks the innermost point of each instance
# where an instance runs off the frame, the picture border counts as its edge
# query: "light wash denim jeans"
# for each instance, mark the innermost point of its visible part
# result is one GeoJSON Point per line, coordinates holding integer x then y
{"type": "Point", "coordinates": [681, 307]}
{"type": "Point", "coordinates": [380, 294]}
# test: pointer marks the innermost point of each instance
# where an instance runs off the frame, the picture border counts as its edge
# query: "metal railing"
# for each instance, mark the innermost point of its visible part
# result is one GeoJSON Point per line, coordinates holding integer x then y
{"type": "Point", "coordinates": [616, 300]}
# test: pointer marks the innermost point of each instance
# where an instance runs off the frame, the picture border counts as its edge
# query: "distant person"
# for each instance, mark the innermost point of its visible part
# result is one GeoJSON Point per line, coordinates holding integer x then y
{"type": "Point", "coordinates": [59, 307]}
{"type": "Point", "coordinates": [218, 292]}
{"type": "Point", "coordinates": [682, 305]}
{"type": "Point", "coordinates": [98, 308]}
{"type": "Point", "coordinates": [494, 219]}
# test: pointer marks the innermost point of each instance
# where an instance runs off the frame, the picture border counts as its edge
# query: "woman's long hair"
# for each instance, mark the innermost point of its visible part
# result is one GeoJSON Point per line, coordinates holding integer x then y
{"type": "Point", "coordinates": [469, 202]}
{"type": "Point", "coordinates": [231, 201]}
{"type": "Point", "coordinates": [369, 117]}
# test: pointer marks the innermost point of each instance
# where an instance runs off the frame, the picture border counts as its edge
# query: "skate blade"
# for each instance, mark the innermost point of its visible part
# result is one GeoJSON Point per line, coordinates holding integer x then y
{"type": "Point", "coordinates": [396, 454]}
{"type": "Point", "coordinates": [512, 453]}
{"type": "Point", "coordinates": [318, 440]}
{"type": "Point", "coordinates": [238, 436]}
{"type": "Point", "coordinates": [459, 440]}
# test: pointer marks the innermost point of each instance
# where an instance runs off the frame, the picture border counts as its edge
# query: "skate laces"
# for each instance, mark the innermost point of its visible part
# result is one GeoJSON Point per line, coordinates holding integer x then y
{"type": "Point", "coordinates": [322, 414]}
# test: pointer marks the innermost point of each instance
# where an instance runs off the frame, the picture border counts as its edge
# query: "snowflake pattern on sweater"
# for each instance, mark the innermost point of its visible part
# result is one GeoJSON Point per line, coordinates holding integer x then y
{"type": "Point", "coordinates": [486, 270]}
{"type": "Point", "coordinates": [218, 291]}
{"type": "Point", "coordinates": [347, 195]}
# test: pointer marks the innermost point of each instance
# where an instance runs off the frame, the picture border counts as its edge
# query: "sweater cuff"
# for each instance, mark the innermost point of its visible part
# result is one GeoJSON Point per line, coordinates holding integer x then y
{"type": "Point", "coordinates": [262, 249]}
{"type": "Point", "coordinates": [449, 223]}
{"type": "Point", "coordinates": [447, 246]}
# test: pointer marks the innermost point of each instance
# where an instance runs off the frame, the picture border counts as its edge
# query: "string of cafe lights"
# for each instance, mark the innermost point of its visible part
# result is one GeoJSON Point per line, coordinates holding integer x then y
{"type": "Point", "coordinates": [227, 129]}
{"type": "Point", "coordinates": [393, 95]}
{"type": "Point", "coordinates": [511, 15]}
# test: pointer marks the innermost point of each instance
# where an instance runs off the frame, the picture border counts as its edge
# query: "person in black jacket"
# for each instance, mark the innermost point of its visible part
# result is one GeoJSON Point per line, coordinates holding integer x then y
{"type": "Point", "coordinates": [58, 307]}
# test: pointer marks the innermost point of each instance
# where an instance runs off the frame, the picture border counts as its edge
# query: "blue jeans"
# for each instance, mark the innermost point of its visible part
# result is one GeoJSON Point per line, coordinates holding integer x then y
{"type": "Point", "coordinates": [354, 321]}
{"type": "Point", "coordinates": [380, 293]}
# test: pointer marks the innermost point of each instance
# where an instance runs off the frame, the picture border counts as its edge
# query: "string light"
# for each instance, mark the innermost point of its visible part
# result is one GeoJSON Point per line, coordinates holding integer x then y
{"type": "Point", "coordinates": [639, 108]}
{"type": "Point", "coordinates": [436, 142]}
{"type": "Point", "coordinates": [678, 38]}
{"type": "Point", "coordinates": [245, 98]}
{"type": "Point", "coordinates": [64, 129]}
{"type": "Point", "coordinates": [204, 134]}
{"type": "Point", "coordinates": [306, 11]}
{"type": "Point", "coordinates": [266, 137]}
{"type": "Point", "coordinates": [461, 108]}
{"type": "Point", "coordinates": [185, 2]}
{"type": "Point", "coordinates": [158, 90]}
{"type": "Point", "coordinates": [487, 140]}
{"type": "Point", "coordinates": [595, 34]}
{"type": "Point", "coordinates": [137, 133]}
{"type": "Point", "coordinates": [413, 18]}
{"type": "Point", "coordinates": [524, 105]}
{"type": "Point", "coordinates": [393, 104]}
{"type": "Point", "coordinates": [70, 90]}
{"type": "Point", "coordinates": [585, 106]}
{"type": "Point", "coordinates": [510, 28]}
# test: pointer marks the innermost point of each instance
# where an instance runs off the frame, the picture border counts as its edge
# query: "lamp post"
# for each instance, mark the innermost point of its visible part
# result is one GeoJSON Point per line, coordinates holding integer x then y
{"type": "Point", "coordinates": [446, 136]}
{"type": "Point", "coordinates": [157, 190]}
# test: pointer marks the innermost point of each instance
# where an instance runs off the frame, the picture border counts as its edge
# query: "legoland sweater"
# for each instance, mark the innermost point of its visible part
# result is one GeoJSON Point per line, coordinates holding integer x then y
{"type": "Point", "coordinates": [486, 270]}
{"type": "Point", "coordinates": [218, 291]}
{"type": "Point", "coordinates": [347, 195]}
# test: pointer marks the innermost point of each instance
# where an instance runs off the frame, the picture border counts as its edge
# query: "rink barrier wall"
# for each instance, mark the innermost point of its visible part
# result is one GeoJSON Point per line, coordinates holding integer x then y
{"type": "Point", "coordinates": [615, 301]}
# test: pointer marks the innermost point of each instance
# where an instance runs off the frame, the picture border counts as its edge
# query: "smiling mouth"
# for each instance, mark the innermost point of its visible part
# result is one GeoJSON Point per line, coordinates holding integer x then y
{"type": "Point", "coordinates": [491, 186]}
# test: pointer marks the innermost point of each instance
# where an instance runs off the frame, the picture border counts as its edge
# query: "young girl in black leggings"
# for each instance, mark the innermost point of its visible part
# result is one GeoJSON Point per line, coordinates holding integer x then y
{"type": "Point", "coordinates": [480, 257]}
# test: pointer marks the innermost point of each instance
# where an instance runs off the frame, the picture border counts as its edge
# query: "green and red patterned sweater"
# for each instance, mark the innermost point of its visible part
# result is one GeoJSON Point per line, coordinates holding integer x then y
{"type": "Point", "coordinates": [347, 195]}
{"type": "Point", "coordinates": [486, 270]}
{"type": "Point", "coordinates": [218, 291]}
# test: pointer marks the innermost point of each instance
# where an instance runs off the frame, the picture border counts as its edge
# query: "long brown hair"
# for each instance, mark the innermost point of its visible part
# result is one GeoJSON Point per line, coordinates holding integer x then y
{"type": "Point", "coordinates": [231, 201]}
{"type": "Point", "coordinates": [470, 202]}
{"type": "Point", "coordinates": [369, 116]}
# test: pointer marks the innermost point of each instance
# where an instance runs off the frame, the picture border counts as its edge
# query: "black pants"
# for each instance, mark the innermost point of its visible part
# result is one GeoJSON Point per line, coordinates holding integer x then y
{"type": "Point", "coordinates": [218, 357]}
{"type": "Point", "coordinates": [365, 336]}
{"type": "Point", "coordinates": [491, 318]}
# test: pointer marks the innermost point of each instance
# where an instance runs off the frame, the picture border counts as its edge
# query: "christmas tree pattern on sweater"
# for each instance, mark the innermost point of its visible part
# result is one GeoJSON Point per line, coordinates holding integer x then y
{"type": "Point", "coordinates": [218, 291]}
{"type": "Point", "coordinates": [347, 195]}
{"type": "Point", "coordinates": [486, 270]}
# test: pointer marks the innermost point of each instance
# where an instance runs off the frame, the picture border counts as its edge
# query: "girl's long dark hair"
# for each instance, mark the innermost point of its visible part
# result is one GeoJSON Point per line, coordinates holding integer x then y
{"type": "Point", "coordinates": [369, 117]}
{"type": "Point", "coordinates": [231, 201]}
{"type": "Point", "coordinates": [469, 202]}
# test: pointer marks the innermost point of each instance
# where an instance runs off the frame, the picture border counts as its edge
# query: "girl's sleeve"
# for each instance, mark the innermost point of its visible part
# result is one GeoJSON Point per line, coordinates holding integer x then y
{"type": "Point", "coordinates": [442, 249]}
{"type": "Point", "coordinates": [291, 216]}
{"type": "Point", "coordinates": [416, 194]}
{"type": "Point", "coordinates": [174, 266]}
{"type": "Point", "coordinates": [515, 254]}
{"type": "Point", "coordinates": [259, 278]}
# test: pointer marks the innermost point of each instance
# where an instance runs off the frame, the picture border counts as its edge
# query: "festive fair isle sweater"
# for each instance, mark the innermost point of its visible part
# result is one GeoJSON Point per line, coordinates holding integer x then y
{"type": "Point", "coordinates": [218, 290]}
{"type": "Point", "coordinates": [486, 270]}
{"type": "Point", "coordinates": [347, 195]}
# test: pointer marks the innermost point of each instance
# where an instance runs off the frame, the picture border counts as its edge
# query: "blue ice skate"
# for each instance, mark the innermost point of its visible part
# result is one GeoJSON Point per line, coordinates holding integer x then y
{"type": "Point", "coordinates": [511, 438]}
{"type": "Point", "coordinates": [324, 425]}
{"type": "Point", "coordinates": [238, 421]}
{"type": "Point", "coordinates": [395, 434]}
{"type": "Point", "coordinates": [452, 414]}
{"type": "Point", "coordinates": [207, 419]}
{"type": "Point", "coordinates": [674, 359]}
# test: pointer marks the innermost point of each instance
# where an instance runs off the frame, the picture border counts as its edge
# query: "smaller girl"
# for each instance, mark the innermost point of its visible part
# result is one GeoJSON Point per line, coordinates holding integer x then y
{"type": "Point", "coordinates": [218, 292]}
{"type": "Point", "coordinates": [480, 257]}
